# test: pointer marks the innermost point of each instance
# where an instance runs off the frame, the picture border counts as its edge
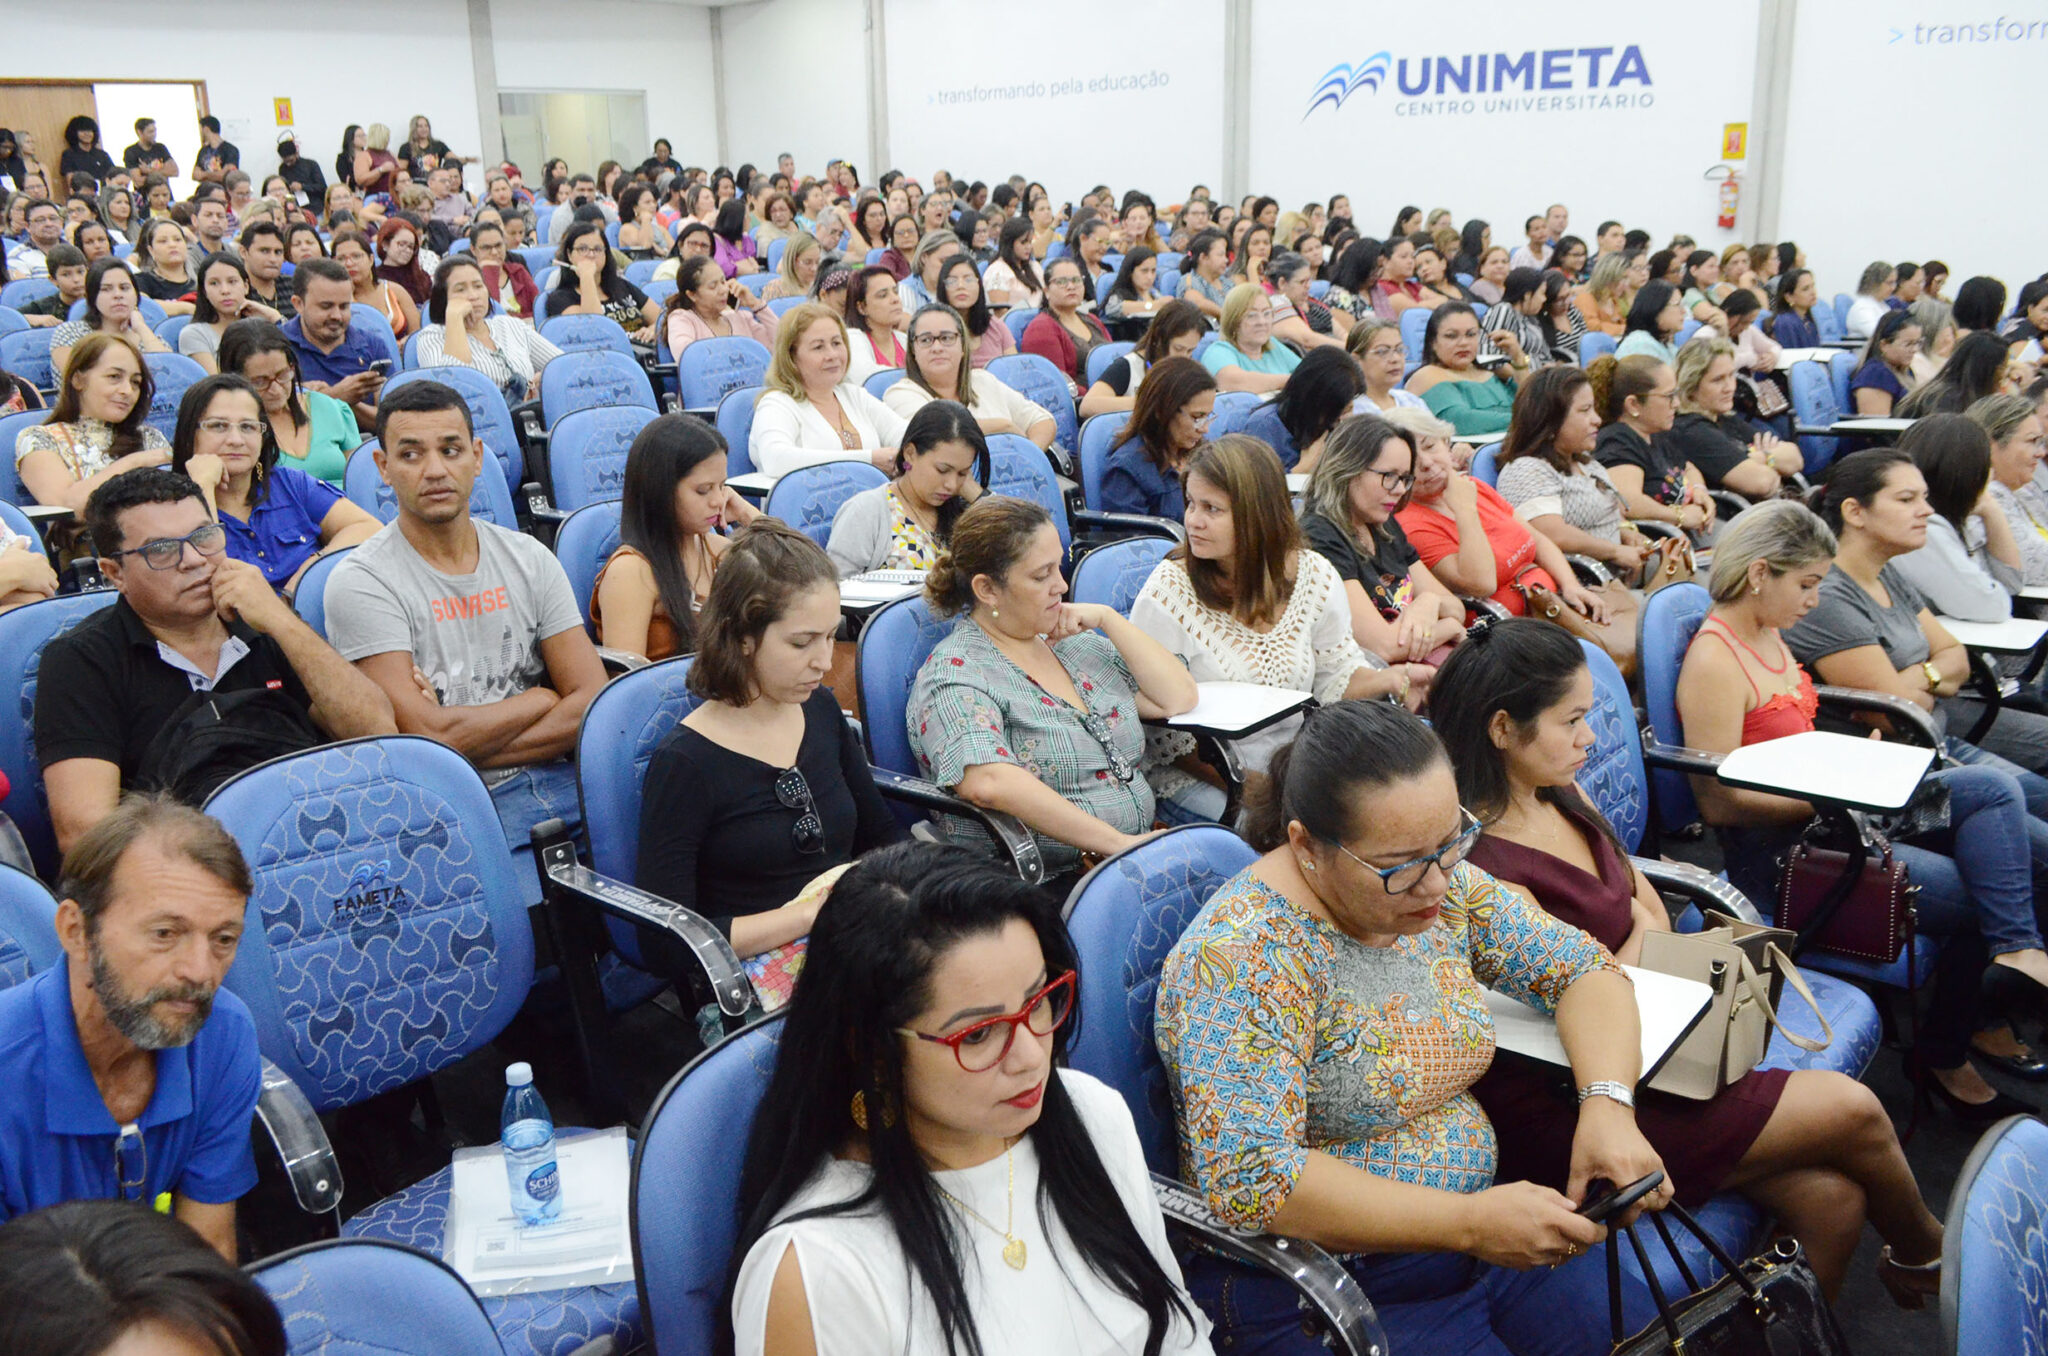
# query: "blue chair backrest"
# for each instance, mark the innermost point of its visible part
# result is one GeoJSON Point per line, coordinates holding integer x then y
{"type": "Point", "coordinates": [585, 381]}
{"type": "Point", "coordinates": [1103, 282]}
{"type": "Point", "coordinates": [1995, 1253]}
{"type": "Point", "coordinates": [1101, 356]}
{"type": "Point", "coordinates": [1172, 259]}
{"type": "Point", "coordinates": [1168, 283]}
{"type": "Point", "coordinates": [736, 424]}
{"type": "Point", "coordinates": [1319, 288]}
{"type": "Point", "coordinates": [23, 291]}
{"type": "Point", "coordinates": [1017, 467]}
{"type": "Point", "coordinates": [1234, 410]}
{"type": "Point", "coordinates": [1685, 333]}
{"type": "Point", "coordinates": [1841, 370]}
{"type": "Point", "coordinates": [1096, 436]}
{"type": "Point", "coordinates": [1828, 321]}
{"type": "Point", "coordinates": [1841, 303]}
{"type": "Point", "coordinates": [172, 327]}
{"type": "Point", "coordinates": [784, 305]}
{"type": "Point", "coordinates": [1019, 318]}
{"type": "Point", "coordinates": [172, 374]}
{"type": "Point", "coordinates": [587, 333]}
{"type": "Point", "coordinates": [28, 927]}
{"type": "Point", "coordinates": [875, 256]}
{"type": "Point", "coordinates": [1414, 321]}
{"type": "Point", "coordinates": [1037, 380]}
{"type": "Point", "coordinates": [361, 1295]}
{"type": "Point", "coordinates": [1613, 774]}
{"type": "Point", "coordinates": [363, 485]}
{"type": "Point", "coordinates": [881, 381]}
{"type": "Point", "coordinates": [641, 272]}
{"type": "Point", "coordinates": [14, 520]}
{"type": "Point", "coordinates": [387, 935]}
{"type": "Point", "coordinates": [1124, 917]}
{"type": "Point", "coordinates": [1056, 250]}
{"type": "Point", "coordinates": [1671, 617]}
{"type": "Point", "coordinates": [1596, 344]}
{"type": "Point", "coordinates": [309, 600]}
{"type": "Point", "coordinates": [1112, 575]}
{"type": "Point", "coordinates": [11, 425]}
{"type": "Point", "coordinates": [775, 249]}
{"type": "Point", "coordinates": [26, 353]}
{"type": "Point", "coordinates": [1813, 406]}
{"type": "Point", "coordinates": [711, 368]}
{"type": "Point", "coordinates": [611, 234]}
{"type": "Point", "coordinates": [537, 258]}
{"type": "Point", "coordinates": [686, 1179]}
{"type": "Point", "coordinates": [587, 454]}
{"type": "Point", "coordinates": [371, 321]}
{"type": "Point", "coordinates": [584, 543]}
{"type": "Point", "coordinates": [892, 648]}
{"type": "Point", "coordinates": [24, 631]}
{"type": "Point", "coordinates": [1486, 463]}
{"type": "Point", "coordinates": [12, 321]}
{"type": "Point", "coordinates": [488, 413]}
{"type": "Point", "coordinates": [809, 497]}
{"type": "Point", "coordinates": [658, 292]}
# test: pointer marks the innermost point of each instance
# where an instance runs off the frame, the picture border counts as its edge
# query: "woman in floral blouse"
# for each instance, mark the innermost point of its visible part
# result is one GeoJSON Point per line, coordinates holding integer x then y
{"type": "Point", "coordinates": [1322, 1023]}
{"type": "Point", "coordinates": [903, 525]}
{"type": "Point", "coordinates": [96, 430]}
{"type": "Point", "coordinates": [1032, 705]}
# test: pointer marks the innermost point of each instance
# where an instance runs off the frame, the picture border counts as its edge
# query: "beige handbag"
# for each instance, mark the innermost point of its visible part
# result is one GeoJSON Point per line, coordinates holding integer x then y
{"type": "Point", "coordinates": [1743, 964]}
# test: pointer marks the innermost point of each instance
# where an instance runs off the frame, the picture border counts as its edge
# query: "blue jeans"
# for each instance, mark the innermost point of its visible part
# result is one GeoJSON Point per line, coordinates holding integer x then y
{"type": "Point", "coordinates": [1442, 1304]}
{"type": "Point", "coordinates": [530, 795]}
{"type": "Point", "coordinates": [2032, 784]}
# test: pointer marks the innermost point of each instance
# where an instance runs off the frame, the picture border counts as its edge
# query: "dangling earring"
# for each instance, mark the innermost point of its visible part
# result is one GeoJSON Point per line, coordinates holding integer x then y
{"type": "Point", "coordinates": [860, 1110]}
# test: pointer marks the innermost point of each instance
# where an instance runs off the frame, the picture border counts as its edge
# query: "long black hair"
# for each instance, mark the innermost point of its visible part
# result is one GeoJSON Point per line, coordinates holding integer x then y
{"type": "Point", "coordinates": [608, 280]}
{"type": "Point", "coordinates": [977, 316]}
{"type": "Point", "coordinates": [1318, 393]}
{"type": "Point", "coordinates": [1649, 304]}
{"type": "Point", "coordinates": [1971, 373]}
{"type": "Point", "coordinates": [1954, 452]}
{"type": "Point", "coordinates": [245, 339]}
{"type": "Point", "coordinates": [1127, 272]}
{"type": "Point", "coordinates": [192, 409]}
{"type": "Point", "coordinates": [668, 449]}
{"type": "Point", "coordinates": [945, 421]}
{"type": "Point", "coordinates": [872, 955]}
{"type": "Point", "coordinates": [1017, 231]}
{"type": "Point", "coordinates": [1521, 667]}
{"type": "Point", "coordinates": [1339, 750]}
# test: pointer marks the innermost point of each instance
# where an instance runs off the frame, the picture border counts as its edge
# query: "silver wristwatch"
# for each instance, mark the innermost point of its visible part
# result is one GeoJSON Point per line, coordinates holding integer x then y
{"type": "Point", "coordinates": [1607, 1087]}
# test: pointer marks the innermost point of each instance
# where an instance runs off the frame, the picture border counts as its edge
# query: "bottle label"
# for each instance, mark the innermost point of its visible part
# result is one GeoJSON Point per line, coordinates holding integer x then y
{"type": "Point", "coordinates": [543, 1182]}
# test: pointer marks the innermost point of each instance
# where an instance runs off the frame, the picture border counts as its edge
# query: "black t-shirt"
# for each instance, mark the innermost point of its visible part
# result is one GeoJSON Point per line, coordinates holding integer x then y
{"type": "Point", "coordinates": [415, 155]}
{"type": "Point", "coordinates": [137, 156]}
{"type": "Point", "coordinates": [622, 302]}
{"type": "Point", "coordinates": [1663, 475]}
{"type": "Point", "coordinates": [104, 691]}
{"type": "Point", "coordinates": [1383, 574]}
{"type": "Point", "coordinates": [1117, 376]}
{"type": "Point", "coordinates": [223, 156]}
{"type": "Point", "coordinates": [160, 289]}
{"type": "Point", "coordinates": [733, 854]}
{"type": "Point", "coordinates": [95, 162]}
{"type": "Point", "coordinates": [1715, 446]}
{"type": "Point", "coordinates": [306, 180]}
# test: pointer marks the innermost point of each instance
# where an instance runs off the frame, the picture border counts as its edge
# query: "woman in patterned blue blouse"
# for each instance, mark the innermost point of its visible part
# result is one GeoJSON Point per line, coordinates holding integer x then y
{"type": "Point", "coordinates": [1322, 1022]}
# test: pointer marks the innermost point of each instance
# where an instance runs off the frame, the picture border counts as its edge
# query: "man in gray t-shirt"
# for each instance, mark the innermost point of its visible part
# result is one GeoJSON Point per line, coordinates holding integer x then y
{"type": "Point", "coordinates": [470, 629]}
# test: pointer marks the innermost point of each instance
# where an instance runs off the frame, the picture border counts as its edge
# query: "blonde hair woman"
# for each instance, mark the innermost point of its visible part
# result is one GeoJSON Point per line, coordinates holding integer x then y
{"type": "Point", "coordinates": [801, 258]}
{"type": "Point", "coordinates": [811, 413]}
{"type": "Point", "coordinates": [1247, 357]}
{"type": "Point", "coordinates": [1604, 298]}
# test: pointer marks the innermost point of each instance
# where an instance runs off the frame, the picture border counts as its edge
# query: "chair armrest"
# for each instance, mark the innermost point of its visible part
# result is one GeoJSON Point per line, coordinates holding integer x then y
{"type": "Point", "coordinates": [1678, 758]}
{"type": "Point", "coordinates": [1727, 503]}
{"type": "Point", "coordinates": [301, 1142]}
{"type": "Point", "coordinates": [1012, 839]}
{"type": "Point", "coordinates": [1591, 572]}
{"type": "Point", "coordinates": [1486, 607]}
{"type": "Point", "coordinates": [1700, 886]}
{"type": "Point", "coordinates": [561, 871]}
{"type": "Point", "coordinates": [1984, 677]}
{"type": "Point", "coordinates": [1323, 1283]}
{"type": "Point", "coordinates": [1129, 524]}
{"type": "Point", "coordinates": [1901, 712]}
{"type": "Point", "coordinates": [621, 661]}
{"type": "Point", "coordinates": [40, 514]}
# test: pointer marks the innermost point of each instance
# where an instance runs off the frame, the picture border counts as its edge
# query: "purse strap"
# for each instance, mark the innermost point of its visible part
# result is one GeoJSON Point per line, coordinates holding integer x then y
{"type": "Point", "coordinates": [1664, 1312]}
{"type": "Point", "coordinates": [1761, 992]}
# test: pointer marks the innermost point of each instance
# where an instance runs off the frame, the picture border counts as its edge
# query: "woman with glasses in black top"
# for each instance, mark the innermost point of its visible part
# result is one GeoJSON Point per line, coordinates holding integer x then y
{"type": "Point", "coordinates": [794, 794]}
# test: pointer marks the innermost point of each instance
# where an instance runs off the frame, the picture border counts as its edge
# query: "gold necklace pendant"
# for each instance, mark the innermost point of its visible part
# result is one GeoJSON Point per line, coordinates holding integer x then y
{"type": "Point", "coordinates": [1013, 1253]}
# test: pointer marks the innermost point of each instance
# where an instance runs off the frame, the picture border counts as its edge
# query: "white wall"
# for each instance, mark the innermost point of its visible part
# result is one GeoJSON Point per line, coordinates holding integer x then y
{"type": "Point", "coordinates": [663, 49]}
{"type": "Point", "coordinates": [1589, 133]}
{"type": "Point", "coordinates": [367, 61]}
{"type": "Point", "coordinates": [1928, 152]}
{"type": "Point", "coordinates": [796, 81]}
{"type": "Point", "coordinates": [1068, 92]}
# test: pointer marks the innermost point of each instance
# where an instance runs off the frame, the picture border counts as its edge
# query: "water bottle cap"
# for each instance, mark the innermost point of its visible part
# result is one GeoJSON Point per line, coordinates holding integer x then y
{"type": "Point", "coordinates": [518, 1075]}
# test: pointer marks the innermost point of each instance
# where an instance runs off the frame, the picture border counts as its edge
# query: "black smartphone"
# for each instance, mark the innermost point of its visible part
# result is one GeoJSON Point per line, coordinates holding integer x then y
{"type": "Point", "coordinates": [1598, 1209]}
{"type": "Point", "coordinates": [381, 366]}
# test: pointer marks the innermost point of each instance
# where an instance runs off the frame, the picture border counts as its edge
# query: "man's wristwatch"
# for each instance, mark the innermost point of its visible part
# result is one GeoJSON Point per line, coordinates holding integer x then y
{"type": "Point", "coordinates": [1608, 1088]}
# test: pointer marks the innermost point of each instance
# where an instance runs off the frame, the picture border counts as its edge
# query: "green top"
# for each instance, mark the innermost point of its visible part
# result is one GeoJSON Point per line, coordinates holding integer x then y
{"type": "Point", "coordinates": [1278, 359]}
{"type": "Point", "coordinates": [334, 437]}
{"type": "Point", "coordinates": [1474, 408]}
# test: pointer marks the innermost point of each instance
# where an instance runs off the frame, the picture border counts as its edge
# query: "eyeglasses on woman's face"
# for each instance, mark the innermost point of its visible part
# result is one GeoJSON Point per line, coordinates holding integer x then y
{"type": "Point", "coordinates": [984, 1045]}
{"type": "Point", "coordinates": [1403, 877]}
{"type": "Point", "coordinates": [932, 339]}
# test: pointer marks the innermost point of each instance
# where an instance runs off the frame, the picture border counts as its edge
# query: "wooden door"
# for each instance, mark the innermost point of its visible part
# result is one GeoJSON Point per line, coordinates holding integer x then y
{"type": "Point", "coordinates": [43, 109]}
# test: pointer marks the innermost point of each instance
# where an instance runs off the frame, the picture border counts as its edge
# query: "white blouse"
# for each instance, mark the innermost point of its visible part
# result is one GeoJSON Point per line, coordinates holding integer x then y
{"type": "Point", "coordinates": [993, 399]}
{"type": "Point", "coordinates": [864, 1297]}
{"type": "Point", "coordinates": [1309, 649]}
{"type": "Point", "coordinates": [518, 355]}
{"type": "Point", "coordinates": [789, 433]}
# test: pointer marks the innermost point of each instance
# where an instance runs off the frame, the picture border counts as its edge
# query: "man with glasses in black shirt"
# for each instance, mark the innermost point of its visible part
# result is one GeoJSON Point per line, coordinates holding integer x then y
{"type": "Point", "coordinates": [190, 619]}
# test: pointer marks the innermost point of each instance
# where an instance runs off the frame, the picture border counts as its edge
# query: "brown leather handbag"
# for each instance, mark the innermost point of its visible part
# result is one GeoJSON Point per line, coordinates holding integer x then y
{"type": "Point", "coordinates": [1617, 637]}
{"type": "Point", "coordinates": [1851, 903]}
{"type": "Point", "coordinates": [1670, 562]}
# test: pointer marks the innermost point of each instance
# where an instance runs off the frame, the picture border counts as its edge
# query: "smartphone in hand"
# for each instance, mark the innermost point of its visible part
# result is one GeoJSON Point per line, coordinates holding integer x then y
{"type": "Point", "coordinates": [1600, 1208]}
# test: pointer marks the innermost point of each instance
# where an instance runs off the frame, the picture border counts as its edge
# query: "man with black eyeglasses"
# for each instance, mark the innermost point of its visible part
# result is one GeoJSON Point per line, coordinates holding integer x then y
{"type": "Point", "coordinates": [130, 1075]}
{"type": "Point", "coordinates": [197, 671]}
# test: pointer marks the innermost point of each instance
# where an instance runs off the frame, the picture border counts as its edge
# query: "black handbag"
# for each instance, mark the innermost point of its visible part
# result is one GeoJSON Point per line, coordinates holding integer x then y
{"type": "Point", "coordinates": [1770, 1305]}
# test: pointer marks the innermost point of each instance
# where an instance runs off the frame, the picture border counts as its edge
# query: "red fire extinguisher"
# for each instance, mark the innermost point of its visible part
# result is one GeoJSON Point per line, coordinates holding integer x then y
{"type": "Point", "coordinates": [1730, 193]}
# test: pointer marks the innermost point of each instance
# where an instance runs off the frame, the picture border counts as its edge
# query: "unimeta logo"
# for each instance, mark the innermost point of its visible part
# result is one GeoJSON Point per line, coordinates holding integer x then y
{"type": "Point", "coordinates": [1581, 71]}
{"type": "Point", "coordinates": [369, 888]}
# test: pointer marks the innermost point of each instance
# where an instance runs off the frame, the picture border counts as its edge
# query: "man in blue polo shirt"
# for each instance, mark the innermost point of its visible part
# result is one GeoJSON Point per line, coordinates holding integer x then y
{"type": "Point", "coordinates": [335, 355]}
{"type": "Point", "coordinates": [129, 1073]}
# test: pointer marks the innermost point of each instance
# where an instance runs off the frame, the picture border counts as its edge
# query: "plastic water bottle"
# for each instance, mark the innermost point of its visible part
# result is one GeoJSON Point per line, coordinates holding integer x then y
{"type": "Point", "coordinates": [528, 1133]}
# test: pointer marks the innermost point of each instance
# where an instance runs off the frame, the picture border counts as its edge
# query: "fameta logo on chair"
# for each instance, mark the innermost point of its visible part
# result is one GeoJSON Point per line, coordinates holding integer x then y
{"type": "Point", "coordinates": [1558, 79]}
{"type": "Point", "coordinates": [369, 890]}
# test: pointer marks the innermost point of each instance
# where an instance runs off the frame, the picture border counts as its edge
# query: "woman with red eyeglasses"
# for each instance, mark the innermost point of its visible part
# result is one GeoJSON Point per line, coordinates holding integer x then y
{"type": "Point", "coordinates": [923, 1174]}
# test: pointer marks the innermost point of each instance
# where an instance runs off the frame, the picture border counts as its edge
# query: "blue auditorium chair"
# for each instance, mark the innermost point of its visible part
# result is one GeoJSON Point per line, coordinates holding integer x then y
{"type": "Point", "coordinates": [24, 631]}
{"type": "Point", "coordinates": [585, 541]}
{"type": "Point", "coordinates": [736, 423]}
{"type": "Point", "coordinates": [584, 381]}
{"type": "Point", "coordinates": [171, 375]}
{"type": "Point", "coordinates": [24, 291]}
{"type": "Point", "coordinates": [809, 497]}
{"type": "Point", "coordinates": [711, 369]}
{"type": "Point", "coordinates": [309, 599]}
{"type": "Point", "coordinates": [587, 334]}
{"type": "Point", "coordinates": [1113, 575]}
{"type": "Point", "coordinates": [1595, 344]}
{"type": "Point", "coordinates": [26, 353]}
{"type": "Point", "coordinates": [878, 384]}
{"type": "Point", "coordinates": [1101, 356]}
{"type": "Point", "coordinates": [1994, 1249]}
{"type": "Point", "coordinates": [1097, 435]}
{"type": "Point", "coordinates": [1019, 318]}
{"type": "Point", "coordinates": [1414, 322]}
{"type": "Point", "coordinates": [1037, 380]}
{"type": "Point", "coordinates": [345, 1296]}
{"type": "Point", "coordinates": [587, 451]}
{"type": "Point", "coordinates": [1234, 410]}
{"type": "Point", "coordinates": [363, 485]}
{"type": "Point", "coordinates": [371, 321]}
{"type": "Point", "coordinates": [1814, 412]}
{"type": "Point", "coordinates": [1486, 463]}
